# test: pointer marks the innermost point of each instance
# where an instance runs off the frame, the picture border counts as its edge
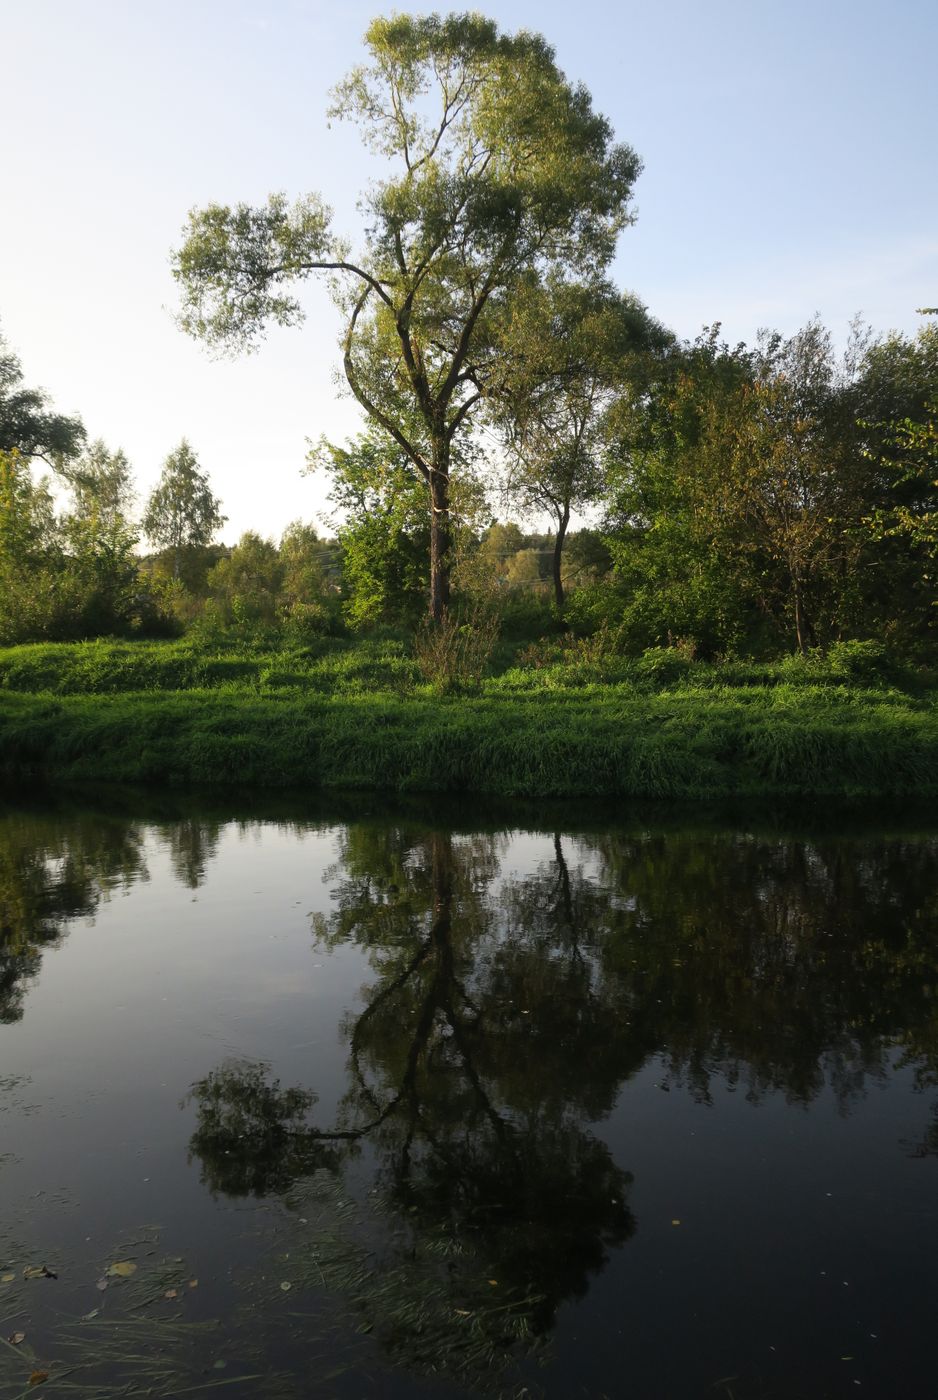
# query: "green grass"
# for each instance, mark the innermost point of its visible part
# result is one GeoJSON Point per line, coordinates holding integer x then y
{"type": "Point", "coordinates": [357, 716]}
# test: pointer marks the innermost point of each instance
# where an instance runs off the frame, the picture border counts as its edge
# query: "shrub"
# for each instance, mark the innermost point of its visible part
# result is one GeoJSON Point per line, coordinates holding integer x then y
{"type": "Point", "coordinates": [870, 662]}
{"type": "Point", "coordinates": [664, 665]}
{"type": "Point", "coordinates": [453, 654]}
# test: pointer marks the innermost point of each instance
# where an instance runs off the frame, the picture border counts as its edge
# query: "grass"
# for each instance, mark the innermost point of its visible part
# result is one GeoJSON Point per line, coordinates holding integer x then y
{"type": "Point", "coordinates": [356, 715]}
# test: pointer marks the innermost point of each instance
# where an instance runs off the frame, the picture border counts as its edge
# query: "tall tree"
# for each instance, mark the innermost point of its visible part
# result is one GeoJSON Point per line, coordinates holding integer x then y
{"type": "Point", "coordinates": [27, 424]}
{"type": "Point", "coordinates": [182, 512]}
{"type": "Point", "coordinates": [571, 348]}
{"type": "Point", "coordinates": [99, 536]}
{"type": "Point", "coordinates": [500, 168]}
{"type": "Point", "coordinates": [27, 514]}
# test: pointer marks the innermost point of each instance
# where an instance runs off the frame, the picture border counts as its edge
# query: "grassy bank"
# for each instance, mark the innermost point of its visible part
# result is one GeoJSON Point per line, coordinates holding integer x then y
{"type": "Point", "coordinates": [358, 717]}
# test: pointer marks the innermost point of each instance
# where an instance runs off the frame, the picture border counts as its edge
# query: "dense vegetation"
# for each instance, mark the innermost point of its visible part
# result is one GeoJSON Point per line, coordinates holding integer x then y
{"type": "Point", "coordinates": [362, 715]}
{"type": "Point", "coordinates": [747, 502]}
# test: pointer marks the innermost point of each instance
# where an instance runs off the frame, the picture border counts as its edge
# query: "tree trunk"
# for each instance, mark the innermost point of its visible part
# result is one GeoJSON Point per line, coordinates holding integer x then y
{"type": "Point", "coordinates": [563, 520]}
{"type": "Point", "coordinates": [804, 628]}
{"type": "Point", "coordinates": [440, 542]}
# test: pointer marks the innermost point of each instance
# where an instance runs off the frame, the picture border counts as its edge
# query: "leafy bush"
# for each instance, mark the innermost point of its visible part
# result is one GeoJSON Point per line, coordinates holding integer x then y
{"type": "Point", "coordinates": [869, 662]}
{"type": "Point", "coordinates": [587, 610]}
{"type": "Point", "coordinates": [664, 665]}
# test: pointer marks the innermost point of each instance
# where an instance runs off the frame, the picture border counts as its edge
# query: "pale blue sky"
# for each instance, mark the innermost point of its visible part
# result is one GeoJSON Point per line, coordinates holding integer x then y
{"type": "Point", "coordinates": [790, 156]}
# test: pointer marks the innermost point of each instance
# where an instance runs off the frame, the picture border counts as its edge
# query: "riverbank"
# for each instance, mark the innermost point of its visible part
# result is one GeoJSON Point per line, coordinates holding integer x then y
{"type": "Point", "coordinates": [157, 713]}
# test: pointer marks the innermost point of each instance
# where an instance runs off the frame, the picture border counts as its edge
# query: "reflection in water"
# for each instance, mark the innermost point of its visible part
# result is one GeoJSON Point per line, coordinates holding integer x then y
{"type": "Point", "coordinates": [253, 1138]}
{"type": "Point", "coordinates": [53, 871]}
{"type": "Point", "coordinates": [504, 1011]}
{"type": "Point", "coordinates": [56, 869]}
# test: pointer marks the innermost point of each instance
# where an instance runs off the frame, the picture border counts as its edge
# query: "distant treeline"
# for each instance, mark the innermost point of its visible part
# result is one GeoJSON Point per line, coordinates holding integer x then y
{"type": "Point", "coordinates": [748, 501]}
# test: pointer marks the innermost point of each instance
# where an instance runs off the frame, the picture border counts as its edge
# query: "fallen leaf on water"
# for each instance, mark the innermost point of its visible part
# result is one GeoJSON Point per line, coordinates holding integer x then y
{"type": "Point", "coordinates": [7, 1278]}
{"type": "Point", "coordinates": [123, 1269]}
{"type": "Point", "coordinates": [219, 1365]}
{"type": "Point", "coordinates": [38, 1377]}
{"type": "Point", "coordinates": [463, 1312]}
{"type": "Point", "coordinates": [171, 1293]}
{"type": "Point", "coordinates": [285, 1286]}
{"type": "Point", "coordinates": [90, 1316]}
{"type": "Point", "coordinates": [16, 1338]}
{"type": "Point", "coordinates": [193, 1283]}
{"type": "Point", "coordinates": [675, 1222]}
{"type": "Point", "coordinates": [38, 1271]}
{"type": "Point", "coordinates": [493, 1282]}
{"type": "Point", "coordinates": [101, 1285]}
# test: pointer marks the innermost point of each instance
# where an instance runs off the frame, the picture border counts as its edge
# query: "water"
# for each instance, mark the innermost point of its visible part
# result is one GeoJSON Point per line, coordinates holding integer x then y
{"type": "Point", "coordinates": [453, 1102]}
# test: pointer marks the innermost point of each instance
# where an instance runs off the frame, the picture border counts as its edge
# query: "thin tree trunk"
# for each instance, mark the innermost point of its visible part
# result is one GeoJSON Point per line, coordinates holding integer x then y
{"type": "Point", "coordinates": [440, 543]}
{"type": "Point", "coordinates": [563, 520]}
{"type": "Point", "coordinates": [804, 628]}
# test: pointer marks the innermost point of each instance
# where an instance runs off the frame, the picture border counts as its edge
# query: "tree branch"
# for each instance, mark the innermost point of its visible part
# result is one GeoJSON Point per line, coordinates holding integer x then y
{"type": "Point", "coordinates": [367, 403]}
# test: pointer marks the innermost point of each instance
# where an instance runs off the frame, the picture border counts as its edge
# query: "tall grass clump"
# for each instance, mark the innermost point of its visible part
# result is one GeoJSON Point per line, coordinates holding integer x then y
{"type": "Point", "coordinates": [453, 655]}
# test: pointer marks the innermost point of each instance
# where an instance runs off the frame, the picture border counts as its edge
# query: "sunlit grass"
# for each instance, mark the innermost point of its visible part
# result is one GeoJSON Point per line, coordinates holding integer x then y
{"type": "Point", "coordinates": [358, 716]}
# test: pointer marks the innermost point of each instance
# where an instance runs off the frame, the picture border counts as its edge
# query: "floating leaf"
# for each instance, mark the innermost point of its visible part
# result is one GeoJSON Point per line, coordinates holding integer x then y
{"type": "Point", "coordinates": [463, 1312]}
{"type": "Point", "coordinates": [675, 1222]}
{"type": "Point", "coordinates": [286, 1286]}
{"type": "Point", "coordinates": [38, 1377]}
{"type": "Point", "coordinates": [16, 1338]}
{"type": "Point", "coordinates": [38, 1271]}
{"type": "Point", "coordinates": [123, 1269]}
{"type": "Point", "coordinates": [493, 1282]}
{"type": "Point", "coordinates": [193, 1283]}
{"type": "Point", "coordinates": [90, 1316]}
{"type": "Point", "coordinates": [7, 1278]}
{"type": "Point", "coordinates": [171, 1293]}
{"type": "Point", "coordinates": [101, 1285]}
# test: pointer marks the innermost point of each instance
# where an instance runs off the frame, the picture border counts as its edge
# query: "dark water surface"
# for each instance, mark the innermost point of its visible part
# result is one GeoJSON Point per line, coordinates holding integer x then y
{"type": "Point", "coordinates": [450, 1102]}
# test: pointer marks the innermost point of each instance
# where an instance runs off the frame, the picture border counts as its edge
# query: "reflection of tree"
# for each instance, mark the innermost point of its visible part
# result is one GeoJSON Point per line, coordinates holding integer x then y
{"type": "Point", "coordinates": [782, 963]}
{"type": "Point", "coordinates": [500, 1202]}
{"type": "Point", "coordinates": [252, 1137]}
{"type": "Point", "coordinates": [461, 1075]}
{"type": "Point", "coordinates": [58, 866]}
{"type": "Point", "coordinates": [191, 844]}
{"type": "Point", "coordinates": [53, 870]}
{"type": "Point", "coordinates": [503, 1015]}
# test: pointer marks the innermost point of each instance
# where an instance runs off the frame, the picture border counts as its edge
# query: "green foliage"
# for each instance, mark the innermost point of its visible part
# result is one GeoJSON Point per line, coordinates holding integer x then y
{"type": "Point", "coordinates": [246, 586]}
{"type": "Point", "coordinates": [182, 513]}
{"type": "Point", "coordinates": [497, 169]}
{"type": "Point", "coordinates": [664, 665]}
{"type": "Point", "coordinates": [754, 506]}
{"type": "Point", "coordinates": [383, 531]}
{"type": "Point", "coordinates": [569, 349]}
{"type": "Point", "coordinates": [909, 514]}
{"type": "Point", "coordinates": [27, 425]}
{"type": "Point", "coordinates": [587, 721]}
{"type": "Point", "coordinates": [99, 540]}
{"type": "Point", "coordinates": [454, 653]}
{"type": "Point", "coordinates": [76, 575]}
{"type": "Point", "coordinates": [865, 662]}
{"type": "Point", "coordinates": [27, 516]}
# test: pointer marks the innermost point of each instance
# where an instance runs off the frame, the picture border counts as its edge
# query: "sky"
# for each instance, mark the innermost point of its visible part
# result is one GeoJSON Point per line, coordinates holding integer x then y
{"type": "Point", "coordinates": [790, 169]}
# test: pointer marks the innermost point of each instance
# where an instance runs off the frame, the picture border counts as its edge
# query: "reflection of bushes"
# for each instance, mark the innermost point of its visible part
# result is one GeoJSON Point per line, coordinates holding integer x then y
{"type": "Point", "coordinates": [252, 1138]}
{"type": "Point", "coordinates": [51, 873]}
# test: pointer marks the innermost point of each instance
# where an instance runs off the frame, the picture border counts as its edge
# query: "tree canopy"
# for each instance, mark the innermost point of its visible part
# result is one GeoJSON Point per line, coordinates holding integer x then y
{"type": "Point", "coordinates": [499, 170]}
{"type": "Point", "coordinates": [27, 423]}
{"type": "Point", "coordinates": [182, 512]}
